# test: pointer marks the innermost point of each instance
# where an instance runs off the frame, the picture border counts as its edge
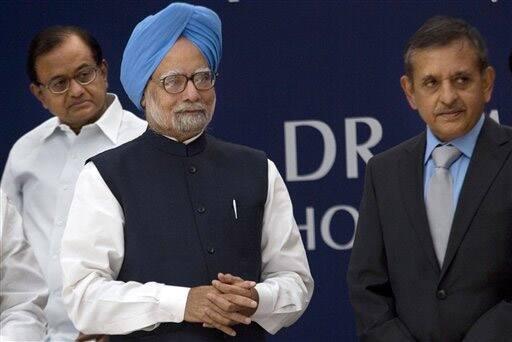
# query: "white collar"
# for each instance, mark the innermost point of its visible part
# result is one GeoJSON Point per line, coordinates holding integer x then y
{"type": "Point", "coordinates": [109, 122]}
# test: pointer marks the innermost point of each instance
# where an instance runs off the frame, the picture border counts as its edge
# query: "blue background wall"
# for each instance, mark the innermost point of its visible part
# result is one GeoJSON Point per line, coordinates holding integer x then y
{"type": "Point", "coordinates": [332, 62]}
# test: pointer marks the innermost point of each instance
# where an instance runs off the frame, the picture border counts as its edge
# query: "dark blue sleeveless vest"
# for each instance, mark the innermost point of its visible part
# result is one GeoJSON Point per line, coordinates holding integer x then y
{"type": "Point", "coordinates": [180, 223]}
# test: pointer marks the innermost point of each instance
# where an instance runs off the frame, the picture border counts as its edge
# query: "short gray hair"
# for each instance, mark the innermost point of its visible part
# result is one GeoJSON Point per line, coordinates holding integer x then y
{"type": "Point", "coordinates": [440, 31]}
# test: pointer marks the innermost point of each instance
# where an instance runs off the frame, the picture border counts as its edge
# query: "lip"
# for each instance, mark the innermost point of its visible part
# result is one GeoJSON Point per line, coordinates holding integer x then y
{"type": "Point", "coordinates": [78, 104]}
{"type": "Point", "coordinates": [191, 111]}
{"type": "Point", "coordinates": [451, 114]}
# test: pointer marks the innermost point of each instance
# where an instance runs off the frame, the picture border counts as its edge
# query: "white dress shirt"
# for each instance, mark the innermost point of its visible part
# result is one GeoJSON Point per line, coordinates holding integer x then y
{"type": "Point", "coordinates": [21, 303]}
{"type": "Point", "coordinates": [40, 177]}
{"type": "Point", "coordinates": [93, 250]}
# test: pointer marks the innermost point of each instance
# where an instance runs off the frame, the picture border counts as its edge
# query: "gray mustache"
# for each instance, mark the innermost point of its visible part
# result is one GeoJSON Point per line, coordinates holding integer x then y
{"type": "Point", "coordinates": [187, 107]}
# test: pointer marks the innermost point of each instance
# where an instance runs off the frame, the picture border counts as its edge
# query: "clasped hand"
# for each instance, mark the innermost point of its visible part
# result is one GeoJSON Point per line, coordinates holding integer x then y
{"type": "Point", "coordinates": [230, 300]}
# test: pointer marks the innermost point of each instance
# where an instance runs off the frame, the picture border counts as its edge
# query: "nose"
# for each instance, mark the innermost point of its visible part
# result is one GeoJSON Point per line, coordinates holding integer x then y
{"type": "Point", "coordinates": [75, 88]}
{"type": "Point", "coordinates": [448, 94]}
{"type": "Point", "coordinates": [191, 93]}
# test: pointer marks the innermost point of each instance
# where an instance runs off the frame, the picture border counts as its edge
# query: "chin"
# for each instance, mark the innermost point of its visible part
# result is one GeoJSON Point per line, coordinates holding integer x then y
{"type": "Point", "coordinates": [452, 135]}
{"type": "Point", "coordinates": [86, 118]}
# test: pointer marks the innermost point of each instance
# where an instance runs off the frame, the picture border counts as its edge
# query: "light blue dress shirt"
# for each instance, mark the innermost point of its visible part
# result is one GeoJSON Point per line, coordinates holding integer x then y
{"type": "Point", "coordinates": [465, 144]}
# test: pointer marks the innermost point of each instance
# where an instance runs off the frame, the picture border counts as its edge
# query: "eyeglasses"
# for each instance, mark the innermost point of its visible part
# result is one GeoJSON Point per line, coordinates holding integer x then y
{"type": "Point", "coordinates": [61, 84]}
{"type": "Point", "coordinates": [175, 84]}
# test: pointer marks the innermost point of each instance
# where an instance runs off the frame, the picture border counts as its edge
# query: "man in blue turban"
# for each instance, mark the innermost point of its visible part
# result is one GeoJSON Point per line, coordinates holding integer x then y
{"type": "Point", "coordinates": [153, 37]}
{"type": "Point", "coordinates": [179, 236]}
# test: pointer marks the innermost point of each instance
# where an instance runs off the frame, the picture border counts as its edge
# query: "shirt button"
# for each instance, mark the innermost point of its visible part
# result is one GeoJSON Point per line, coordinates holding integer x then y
{"type": "Point", "coordinates": [65, 187]}
{"type": "Point", "coordinates": [441, 294]}
{"type": "Point", "coordinates": [192, 169]}
{"type": "Point", "coordinates": [201, 210]}
{"type": "Point", "coordinates": [60, 222]}
{"type": "Point", "coordinates": [211, 250]}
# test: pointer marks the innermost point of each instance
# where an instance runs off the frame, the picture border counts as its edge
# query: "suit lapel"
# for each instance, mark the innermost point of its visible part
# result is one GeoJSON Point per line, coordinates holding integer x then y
{"type": "Point", "coordinates": [411, 174]}
{"type": "Point", "coordinates": [491, 151]}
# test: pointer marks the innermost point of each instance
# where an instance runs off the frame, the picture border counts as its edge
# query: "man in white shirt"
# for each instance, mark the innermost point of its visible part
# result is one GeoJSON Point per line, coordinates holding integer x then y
{"type": "Point", "coordinates": [21, 303]}
{"type": "Point", "coordinates": [176, 232]}
{"type": "Point", "coordinates": [68, 76]}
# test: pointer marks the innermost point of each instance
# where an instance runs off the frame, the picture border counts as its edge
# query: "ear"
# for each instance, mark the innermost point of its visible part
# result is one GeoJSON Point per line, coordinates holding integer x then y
{"type": "Point", "coordinates": [39, 94]}
{"type": "Point", "coordinates": [143, 101]}
{"type": "Point", "coordinates": [408, 88]}
{"type": "Point", "coordinates": [143, 98]}
{"type": "Point", "coordinates": [104, 71]}
{"type": "Point", "coordinates": [488, 81]}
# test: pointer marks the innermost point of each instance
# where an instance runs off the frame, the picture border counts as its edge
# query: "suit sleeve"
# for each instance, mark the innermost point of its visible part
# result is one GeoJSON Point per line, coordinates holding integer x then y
{"type": "Point", "coordinates": [368, 281]}
{"type": "Point", "coordinates": [287, 285]}
{"type": "Point", "coordinates": [494, 325]}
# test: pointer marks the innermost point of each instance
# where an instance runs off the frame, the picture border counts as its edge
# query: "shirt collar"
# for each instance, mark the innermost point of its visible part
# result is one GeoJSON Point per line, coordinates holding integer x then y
{"type": "Point", "coordinates": [109, 122]}
{"type": "Point", "coordinates": [188, 141]}
{"type": "Point", "coordinates": [465, 144]}
{"type": "Point", "coordinates": [195, 146]}
{"type": "Point", "coordinates": [49, 127]}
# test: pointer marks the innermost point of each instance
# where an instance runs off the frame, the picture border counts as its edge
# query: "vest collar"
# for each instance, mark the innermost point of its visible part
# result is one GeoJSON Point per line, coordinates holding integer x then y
{"type": "Point", "coordinates": [174, 147]}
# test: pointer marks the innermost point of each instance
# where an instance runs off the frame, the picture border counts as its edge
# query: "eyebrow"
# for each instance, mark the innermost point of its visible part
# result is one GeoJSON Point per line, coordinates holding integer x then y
{"type": "Point", "coordinates": [202, 69]}
{"type": "Point", "coordinates": [175, 72]}
{"type": "Point", "coordinates": [171, 73]}
{"type": "Point", "coordinates": [83, 65]}
{"type": "Point", "coordinates": [428, 78]}
{"type": "Point", "coordinates": [461, 73]}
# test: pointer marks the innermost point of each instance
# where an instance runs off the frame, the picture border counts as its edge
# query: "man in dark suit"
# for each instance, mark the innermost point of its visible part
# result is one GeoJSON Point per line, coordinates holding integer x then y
{"type": "Point", "coordinates": [432, 258]}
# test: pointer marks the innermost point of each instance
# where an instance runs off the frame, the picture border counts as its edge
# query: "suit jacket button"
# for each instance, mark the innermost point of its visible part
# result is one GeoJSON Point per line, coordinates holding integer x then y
{"type": "Point", "coordinates": [201, 210]}
{"type": "Point", "coordinates": [192, 169]}
{"type": "Point", "coordinates": [441, 294]}
{"type": "Point", "coordinates": [211, 250]}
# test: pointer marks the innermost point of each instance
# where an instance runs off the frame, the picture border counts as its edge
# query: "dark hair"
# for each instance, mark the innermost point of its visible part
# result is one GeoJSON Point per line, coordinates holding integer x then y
{"type": "Point", "coordinates": [440, 31]}
{"type": "Point", "coordinates": [52, 37]}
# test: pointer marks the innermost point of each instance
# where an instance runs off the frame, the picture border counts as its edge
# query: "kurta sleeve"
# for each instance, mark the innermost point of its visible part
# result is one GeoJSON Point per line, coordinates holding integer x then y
{"type": "Point", "coordinates": [91, 257]}
{"type": "Point", "coordinates": [287, 286]}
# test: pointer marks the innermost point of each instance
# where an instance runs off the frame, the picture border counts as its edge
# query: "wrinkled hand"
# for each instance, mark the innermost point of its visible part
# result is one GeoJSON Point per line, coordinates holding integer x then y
{"type": "Point", "coordinates": [236, 295]}
{"type": "Point", "coordinates": [200, 309]}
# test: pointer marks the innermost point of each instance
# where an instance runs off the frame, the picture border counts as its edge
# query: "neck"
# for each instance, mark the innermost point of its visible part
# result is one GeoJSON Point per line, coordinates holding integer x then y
{"type": "Point", "coordinates": [171, 133]}
{"type": "Point", "coordinates": [174, 135]}
{"type": "Point", "coordinates": [77, 127]}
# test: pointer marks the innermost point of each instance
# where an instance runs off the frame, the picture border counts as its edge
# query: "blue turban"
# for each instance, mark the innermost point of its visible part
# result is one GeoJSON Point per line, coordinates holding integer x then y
{"type": "Point", "coordinates": [154, 36]}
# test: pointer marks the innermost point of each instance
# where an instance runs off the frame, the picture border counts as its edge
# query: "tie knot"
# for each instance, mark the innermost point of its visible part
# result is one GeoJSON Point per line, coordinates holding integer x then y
{"type": "Point", "coordinates": [445, 155]}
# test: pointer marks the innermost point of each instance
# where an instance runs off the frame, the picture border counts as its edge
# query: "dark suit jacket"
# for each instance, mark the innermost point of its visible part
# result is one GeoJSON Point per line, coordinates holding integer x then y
{"type": "Point", "coordinates": [397, 289]}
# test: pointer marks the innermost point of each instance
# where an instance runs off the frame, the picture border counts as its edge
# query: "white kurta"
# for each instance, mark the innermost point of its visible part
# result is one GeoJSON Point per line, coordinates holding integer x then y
{"type": "Point", "coordinates": [93, 250]}
{"type": "Point", "coordinates": [40, 177]}
{"type": "Point", "coordinates": [21, 303]}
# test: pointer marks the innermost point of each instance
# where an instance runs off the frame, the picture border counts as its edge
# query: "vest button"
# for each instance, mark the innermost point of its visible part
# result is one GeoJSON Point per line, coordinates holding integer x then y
{"type": "Point", "coordinates": [441, 294]}
{"type": "Point", "coordinates": [192, 169]}
{"type": "Point", "coordinates": [211, 250]}
{"type": "Point", "coordinates": [201, 210]}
